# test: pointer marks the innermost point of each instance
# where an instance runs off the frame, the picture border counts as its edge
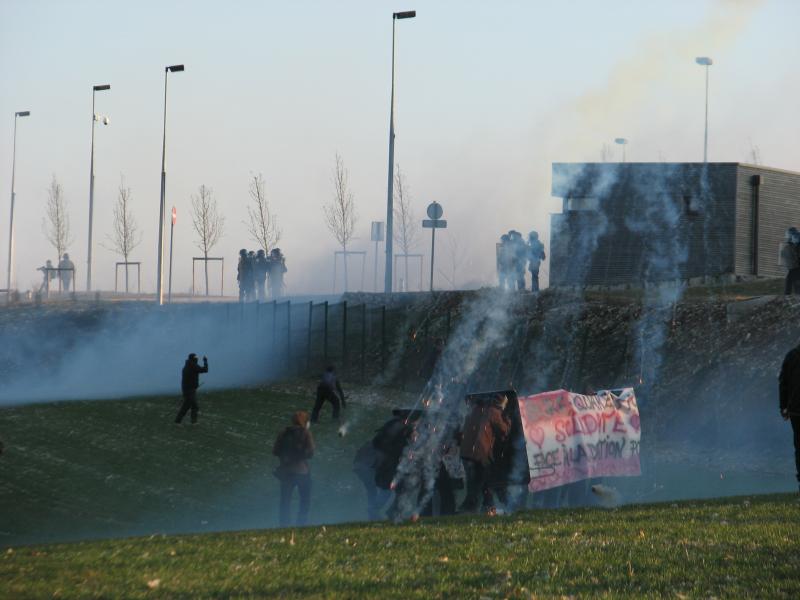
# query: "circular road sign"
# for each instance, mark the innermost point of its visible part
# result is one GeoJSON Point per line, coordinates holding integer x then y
{"type": "Point", "coordinates": [435, 211]}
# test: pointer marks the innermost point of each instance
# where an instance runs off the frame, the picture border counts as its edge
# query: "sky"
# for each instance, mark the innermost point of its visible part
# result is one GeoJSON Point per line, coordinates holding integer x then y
{"type": "Point", "coordinates": [488, 96]}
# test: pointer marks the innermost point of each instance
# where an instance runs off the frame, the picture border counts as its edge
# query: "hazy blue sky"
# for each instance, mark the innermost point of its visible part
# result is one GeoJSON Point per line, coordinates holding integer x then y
{"type": "Point", "coordinates": [488, 95]}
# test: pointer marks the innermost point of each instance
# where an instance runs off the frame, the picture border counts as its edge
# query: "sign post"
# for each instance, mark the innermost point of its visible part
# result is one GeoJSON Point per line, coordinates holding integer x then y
{"type": "Point", "coordinates": [377, 235]}
{"type": "Point", "coordinates": [435, 222]}
{"type": "Point", "coordinates": [171, 232]}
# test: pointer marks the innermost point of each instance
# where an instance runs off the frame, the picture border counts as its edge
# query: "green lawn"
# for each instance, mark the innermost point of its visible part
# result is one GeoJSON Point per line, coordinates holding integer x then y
{"type": "Point", "coordinates": [734, 548]}
{"type": "Point", "coordinates": [78, 470]}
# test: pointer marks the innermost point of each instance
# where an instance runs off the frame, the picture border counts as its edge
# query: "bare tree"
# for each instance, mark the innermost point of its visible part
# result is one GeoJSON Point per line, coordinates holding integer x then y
{"type": "Point", "coordinates": [263, 225]}
{"type": "Point", "coordinates": [406, 230]}
{"type": "Point", "coordinates": [126, 235]}
{"type": "Point", "coordinates": [455, 259]}
{"type": "Point", "coordinates": [208, 223]}
{"type": "Point", "coordinates": [340, 214]}
{"type": "Point", "coordinates": [56, 222]}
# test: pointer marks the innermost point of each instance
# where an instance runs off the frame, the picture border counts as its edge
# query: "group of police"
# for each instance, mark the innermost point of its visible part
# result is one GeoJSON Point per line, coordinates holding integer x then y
{"type": "Point", "coordinates": [256, 271]}
{"type": "Point", "coordinates": [514, 254]}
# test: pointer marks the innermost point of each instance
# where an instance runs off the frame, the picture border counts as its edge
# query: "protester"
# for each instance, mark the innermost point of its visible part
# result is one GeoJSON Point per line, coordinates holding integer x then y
{"type": "Point", "coordinates": [789, 390]}
{"type": "Point", "coordinates": [294, 446]}
{"type": "Point", "coordinates": [329, 389]}
{"type": "Point", "coordinates": [365, 463]}
{"type": "Point", "coordinates": [48, 274]}
{"type": "Point", "coordinates": [503, 261]}
{"type": "Point", "coordinates": [483, 428]}
{"type": "Point", "coordinates": [66, 271]}
{"type": "Point", "coordinates": [518, 251]}
{"type": "Point", "coordinates": [535, 257]}
{"type": "Point", "coordinates": [260, 275]}
{"type": "Point", "coordinates": [276, 268]}
{"type": "Point", "coordinates": [790, 260]}
{"type": "Point", "coordinates": [190, 381]}
{"type": "Point", "coordinates": [245, 277]}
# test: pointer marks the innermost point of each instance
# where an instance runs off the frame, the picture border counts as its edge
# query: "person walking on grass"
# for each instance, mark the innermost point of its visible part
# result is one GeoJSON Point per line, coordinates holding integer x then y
{"type": "Point", "coordinates": [294, 446]}
{"type": "Point", "coordinates": [789, 388]}
{"type": "Point", "coordinates": [190, 381]}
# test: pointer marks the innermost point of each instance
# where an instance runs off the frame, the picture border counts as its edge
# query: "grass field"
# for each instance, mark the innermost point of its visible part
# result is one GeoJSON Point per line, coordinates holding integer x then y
{"type": "Point", "coordinates": [734, 548]}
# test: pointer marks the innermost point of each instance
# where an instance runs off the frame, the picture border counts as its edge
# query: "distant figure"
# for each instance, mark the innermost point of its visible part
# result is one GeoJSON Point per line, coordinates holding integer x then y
{"type": "Point", "coordinates": [48, 274]}
{"type": "Point", "coordinates": [789, 389]}
{"type": "Point", "coordinates": [329, 389]}
{"type": "Point", "coordinates": [518, 252]}
{"type": "Point", "coordinates": [535, 257]}
{"type": "Point", "coordinates": [276, 269]}
{"type": "Point", "coordinates": [790, 260]}
{"type": "Point", "coordinates": [503, 261]}
{"type": "Point", "coordinates": [190, 381]}
{"type": "Point", "coordinates": [483, 428]}
{"type": "Point", "coordinates": [294, 446]}
{"type": "Point", "coordinates": [260, 266]}
{"type": "Point", "coordinates": [365, 463]}
{"type": "Point", "coordinates": [68, 270]}
{"type": "Point", "coordinates": [245, 277]}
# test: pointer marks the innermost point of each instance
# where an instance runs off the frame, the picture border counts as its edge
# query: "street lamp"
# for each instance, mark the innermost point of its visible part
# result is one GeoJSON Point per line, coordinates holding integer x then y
{"type": "Point", "coordinates": [387, 283]}
{"type": "Point", "coordinates": [106, 121]}
{"type": "Point", "coordinates": [22, 113]}
{"type": "Point", "coordinates": [705, 61]}
{"type": "Point", "coordinates": [622, 142]}
{"type": "Point", "coordinates": [160, 268]}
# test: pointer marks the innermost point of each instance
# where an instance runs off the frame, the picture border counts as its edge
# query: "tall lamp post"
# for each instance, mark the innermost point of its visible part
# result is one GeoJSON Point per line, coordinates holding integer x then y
{"type": "Point", "coordinates": [22, 113]}
{"type": "Point", "coordinates": [705, 61]}
{"type": "Point", "coordinates": [160, 268]}
{"type": "Point", "coordinates": [622, 142]}
{"type": "Point", "coordinates": [106, 121]}
{"type": "Point", "coordinates": [387, 282]}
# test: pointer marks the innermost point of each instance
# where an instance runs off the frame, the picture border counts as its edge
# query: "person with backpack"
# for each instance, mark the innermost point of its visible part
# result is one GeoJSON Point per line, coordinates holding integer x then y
{"type": "Point", "coordinates": [294, 446]}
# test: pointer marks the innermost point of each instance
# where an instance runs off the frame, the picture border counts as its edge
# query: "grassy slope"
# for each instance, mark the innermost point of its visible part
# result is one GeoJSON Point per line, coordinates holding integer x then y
{"type": "Point", "coordinates": [77, 470]}
{"type": "Point", "coordinates": [731, 548]}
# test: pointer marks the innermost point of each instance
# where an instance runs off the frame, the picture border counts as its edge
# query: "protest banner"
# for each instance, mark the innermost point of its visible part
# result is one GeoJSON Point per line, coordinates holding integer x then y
{"type": "Point", "coordinates": [570, 437]}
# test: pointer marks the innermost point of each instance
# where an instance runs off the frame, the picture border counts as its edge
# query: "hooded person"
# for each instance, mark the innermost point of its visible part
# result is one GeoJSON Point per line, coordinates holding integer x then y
{"type": "Point", "coordinates": [48, 274]}
{"type": "Point", "coordinates": [503, 261]}
{"type": "Point", "coordinates": [484, 427]}
{"type": "Point", "coordinates": [294, 446]}
{"type": "Point", "coordinates": [535, 257]}
{"type": "Point", "coordinates": [190, 381]}
{"type": "Point", "coordinates": [245, 276]}
{"type": "Point", "coordinates": [518, 258]}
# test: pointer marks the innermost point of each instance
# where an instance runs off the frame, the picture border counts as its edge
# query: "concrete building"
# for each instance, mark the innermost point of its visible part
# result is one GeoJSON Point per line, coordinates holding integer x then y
{"type": "Point", "coordinates": [631, 223]}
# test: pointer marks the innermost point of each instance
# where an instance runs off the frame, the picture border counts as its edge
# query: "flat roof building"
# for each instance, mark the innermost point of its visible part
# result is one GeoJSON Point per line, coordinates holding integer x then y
{"type": "Point", "coordinates": [635, 223]}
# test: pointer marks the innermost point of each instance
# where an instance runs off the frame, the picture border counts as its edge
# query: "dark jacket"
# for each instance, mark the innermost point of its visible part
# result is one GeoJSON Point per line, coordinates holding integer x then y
{"type": "Point", "coordinates": [190, 376]}
{"type": "Point", "coordinates": [389, 442]}
{"type": "Point", "coordinates": [789, 382]}
{"type": "Point", "coordinates": [483, 427]}
{"type": "Point", "coordinates": [330, 382]}
{"type": "Point", "coordinates": [294, 446]}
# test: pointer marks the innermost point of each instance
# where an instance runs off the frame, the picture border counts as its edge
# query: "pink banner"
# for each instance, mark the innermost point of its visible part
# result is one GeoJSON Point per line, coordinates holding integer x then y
{"type": "Point", "coordinates": [570, 437]}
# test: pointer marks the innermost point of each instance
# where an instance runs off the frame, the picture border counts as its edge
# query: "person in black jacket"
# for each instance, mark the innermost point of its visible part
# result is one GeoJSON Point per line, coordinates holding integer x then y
{"type": "Point", "coordinates": [329, 389]}
{"type": "Point", "coordinates": [294, 446]}
{"type": "Point", "coordinates": [789, 387]}
{"type": "Point", "coordinates": [190, 381]}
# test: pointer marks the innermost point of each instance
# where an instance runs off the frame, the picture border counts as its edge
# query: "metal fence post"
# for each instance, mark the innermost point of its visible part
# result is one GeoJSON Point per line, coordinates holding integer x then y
{"type": "Point", "coordinates": [274, 326]}
{"type": "Point", "coordinates": [325, 335]}
{"type": "Point", "coordinates": [344, 334]}
{"type": "Point", "coordinates": [289, 335]}
{"type": "Point", "coordinates": [363, 340]}
{"type": "Point", "coordinates": [308, 342]}
{"type": "Point", "coordinates": [383, 338]}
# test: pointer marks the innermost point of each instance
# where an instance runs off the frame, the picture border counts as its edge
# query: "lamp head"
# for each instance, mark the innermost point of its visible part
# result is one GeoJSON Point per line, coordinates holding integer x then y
{"type": "Point", "coordinates": [408, 14]}
{"type": "Point", "coordinates": [704, 61]}
{"type": "Point", "coordinates": [101, 88]}
{"type": "Point", "coordinates": [22, 113]}
{"type": "Point", "coordinates": [622, 141]}
{"type": "Point", "coordinates": [175, 68]}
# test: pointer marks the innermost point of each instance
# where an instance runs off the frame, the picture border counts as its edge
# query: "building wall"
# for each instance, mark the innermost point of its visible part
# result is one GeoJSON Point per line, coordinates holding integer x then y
{"type": "Point", "coordinates": [642, 222]}
{"type": "Point", "coordinates": [778, 209]}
